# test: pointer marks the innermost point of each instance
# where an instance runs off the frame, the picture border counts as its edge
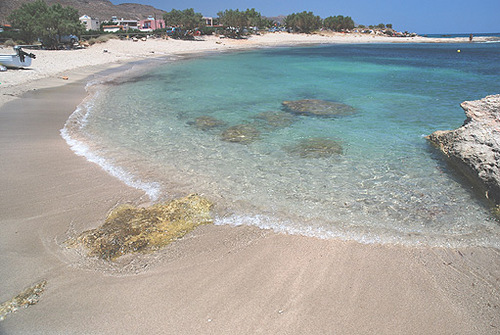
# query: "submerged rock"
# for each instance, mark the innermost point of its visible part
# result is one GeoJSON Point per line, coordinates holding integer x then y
{"type": "Point", "coordinates": [316, 148]}
{"type": "Point", "coordinates": [207, 123]}
{"type": "Point", "coordinates": [322, 108]}
{"type": "Point", "coordinates": [129, 229]}
{"type": "Point", "coordinates": [242, 133]}
{"type": "Point", "coordinates": [275, 119]}
{"type": "Point", "coordinates": [474, 148]}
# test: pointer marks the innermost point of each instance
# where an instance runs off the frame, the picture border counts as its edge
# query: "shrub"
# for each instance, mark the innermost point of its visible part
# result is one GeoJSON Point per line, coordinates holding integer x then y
{"type": "Point", "coordinates": [9, 43]}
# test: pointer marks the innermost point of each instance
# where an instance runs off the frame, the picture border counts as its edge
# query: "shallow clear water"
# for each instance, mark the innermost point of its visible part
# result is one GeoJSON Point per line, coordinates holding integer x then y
{"type": "Point", "coordinates": [388, 185]}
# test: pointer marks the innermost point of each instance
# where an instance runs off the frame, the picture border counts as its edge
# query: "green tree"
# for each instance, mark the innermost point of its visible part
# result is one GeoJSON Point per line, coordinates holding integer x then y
{"type": "Point", "coordinates": [37, 20]}
{"type": "Point", "coordinates": [338, 23]}
{"type": "Point", "coordinates": [186, 18]}
{"type": "Point", "coordinates": [243, 19]}
{"type": "Point", "coordinates": [389, 25]}
{"type": "Point", "coordinates": [235, 21]}
{"type": "Point", "coordinates": [304, 22]}
{"type": "Point", "coordinates": [28, 19]}
{"type": "Point", "coordinates": [233, 18]}
{"type": "Point", "coordinates": [254, 18]}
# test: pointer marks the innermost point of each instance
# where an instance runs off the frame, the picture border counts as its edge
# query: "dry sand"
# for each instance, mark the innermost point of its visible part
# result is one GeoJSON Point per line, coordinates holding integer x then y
{"type": "Point", "coordinates": [218, 279]}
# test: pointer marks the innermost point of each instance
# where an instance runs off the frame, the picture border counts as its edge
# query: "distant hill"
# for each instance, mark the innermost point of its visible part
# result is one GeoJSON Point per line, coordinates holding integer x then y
{"type": "Point", "coordinates": [102, 9]}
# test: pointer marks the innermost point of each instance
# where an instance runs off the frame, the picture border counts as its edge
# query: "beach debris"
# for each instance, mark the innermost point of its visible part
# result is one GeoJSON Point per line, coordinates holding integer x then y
{"type": "Point", "coordinates": [64, 78]}
{"type": "Point", "coordinates": [315, 107]}
{"type": "Point", "coordinates": [242, 133]}
{"type": "Point", "coordinates": [318, 147]}
{"type": "Point", "coordinates": [207, 123]}
{"type": "Point", "coordinates": [275, 119]}
{"type": "Point", "coordinates": [28, 297]}
{"type": "Point", "coordinates": [129, 229]}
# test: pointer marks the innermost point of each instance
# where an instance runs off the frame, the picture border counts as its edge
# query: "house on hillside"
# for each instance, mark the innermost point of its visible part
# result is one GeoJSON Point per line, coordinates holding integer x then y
{"type": "Point", "coordinates": [90, 23]}
{"type": "Point", "coordinates": [151, 24]}
{"type": "Point", "coordinates": [126, 24]}
{"type": "Point", "coordinates": [112, 28]}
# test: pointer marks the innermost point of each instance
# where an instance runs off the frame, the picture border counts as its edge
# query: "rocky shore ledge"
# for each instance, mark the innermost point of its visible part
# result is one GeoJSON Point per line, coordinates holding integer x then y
{"type": "Point", "coordinates": [474, 148]}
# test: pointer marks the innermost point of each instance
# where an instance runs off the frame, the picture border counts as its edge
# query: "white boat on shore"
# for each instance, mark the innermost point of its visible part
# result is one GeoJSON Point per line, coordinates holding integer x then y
{"type": "Point", "coordinates": [18, 60]}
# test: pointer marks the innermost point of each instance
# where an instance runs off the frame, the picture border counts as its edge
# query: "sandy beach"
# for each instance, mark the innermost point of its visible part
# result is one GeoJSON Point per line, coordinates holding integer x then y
{"type": "Point", "coordinates": [217, 279]}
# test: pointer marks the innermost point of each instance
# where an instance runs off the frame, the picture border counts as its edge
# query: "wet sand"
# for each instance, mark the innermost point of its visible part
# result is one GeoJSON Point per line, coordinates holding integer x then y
{"type": "Point", "coordinates": [217, 279]}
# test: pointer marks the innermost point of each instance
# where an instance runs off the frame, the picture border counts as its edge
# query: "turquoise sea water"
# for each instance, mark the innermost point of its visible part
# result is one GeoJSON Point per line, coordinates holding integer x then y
{"type": "Point", "coordinates": [388, 185]}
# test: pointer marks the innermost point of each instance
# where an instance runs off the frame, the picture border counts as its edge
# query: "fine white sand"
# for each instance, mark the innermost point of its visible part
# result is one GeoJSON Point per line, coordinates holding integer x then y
{"type": "Point", "coordinates": [218, 279]}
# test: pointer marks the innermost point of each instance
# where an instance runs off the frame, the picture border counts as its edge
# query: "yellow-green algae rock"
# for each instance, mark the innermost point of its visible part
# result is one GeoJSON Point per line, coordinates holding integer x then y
{"type": "Point", "coordinates": [316, 148]}
{"type": "Point", "coordinates": [130, 229]}
{"type": "Point", "coordinates": [242, 133]}
{"type": "Point", "coordinates": [321, 108]}
{"type": "Point", "coordinates": [28, 297]}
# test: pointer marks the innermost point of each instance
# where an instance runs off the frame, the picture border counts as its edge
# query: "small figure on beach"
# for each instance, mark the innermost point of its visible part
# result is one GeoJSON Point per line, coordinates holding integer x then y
{"type": "Point", "coordinates": [471, 37]}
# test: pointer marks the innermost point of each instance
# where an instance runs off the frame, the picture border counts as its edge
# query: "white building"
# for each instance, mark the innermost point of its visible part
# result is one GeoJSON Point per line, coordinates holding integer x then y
{"type": "Point", "coordinates": [112, 28]}
{"type": "Point", "coordinates": [125, 24]}
{"type": "Point", "coordinates": [209, 21]}
{"type": "Point", "coordinates": [90, 23]}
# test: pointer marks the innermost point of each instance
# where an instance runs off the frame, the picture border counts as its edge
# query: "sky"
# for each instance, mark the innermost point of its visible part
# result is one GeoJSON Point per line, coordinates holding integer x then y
{"type": "Point", "coordinates": [420, 16]}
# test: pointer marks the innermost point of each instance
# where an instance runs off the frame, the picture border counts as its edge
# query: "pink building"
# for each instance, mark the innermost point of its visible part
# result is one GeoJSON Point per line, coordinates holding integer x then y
{"type": "Point", "coordinates": [151, 24]}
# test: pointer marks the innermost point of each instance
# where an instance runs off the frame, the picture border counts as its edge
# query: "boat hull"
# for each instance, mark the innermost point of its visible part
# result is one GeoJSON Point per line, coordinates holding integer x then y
{"type": "Point", "coordinates": [14, 61]}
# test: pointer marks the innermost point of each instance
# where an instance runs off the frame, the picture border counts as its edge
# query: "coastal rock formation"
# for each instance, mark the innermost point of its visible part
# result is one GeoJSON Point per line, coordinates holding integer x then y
{"type": "Point", "coordinates": [207, 123]}
{"type": "Point", "coordinates": [129, 229]}
{"type": "Point", "coordinates": [321, 108]}
{"type": "Point", "coordinates": [275, 119]}
{"type": "Point", "coordinates": [242, 133]}
{"type": "Point", "coordinates": [316, 148]}
{"type": "Point", "coordinates": [475, 147]}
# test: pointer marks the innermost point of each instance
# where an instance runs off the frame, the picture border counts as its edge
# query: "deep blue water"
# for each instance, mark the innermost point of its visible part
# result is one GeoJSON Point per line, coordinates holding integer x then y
{"type": "Point", "coordinates": [463, 35]}
{"type": "Point", "coordinates": [387, 185]}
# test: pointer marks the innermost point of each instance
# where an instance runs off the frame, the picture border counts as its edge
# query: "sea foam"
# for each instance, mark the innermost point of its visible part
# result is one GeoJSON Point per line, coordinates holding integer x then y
{"type": "Point", "coordinates": [76, 124]}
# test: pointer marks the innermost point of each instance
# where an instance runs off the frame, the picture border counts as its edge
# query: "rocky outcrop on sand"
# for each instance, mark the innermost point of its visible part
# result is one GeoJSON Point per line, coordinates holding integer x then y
{"type": "Point", "coordinates": [129, 229]}
{"type": "Point", "coordinates": [475, 147]}
{"type": "Point", "coordinates": [28, 297]}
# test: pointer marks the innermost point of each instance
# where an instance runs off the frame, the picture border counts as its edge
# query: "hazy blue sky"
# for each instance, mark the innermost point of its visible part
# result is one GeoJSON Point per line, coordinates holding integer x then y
{"type": "Point", "coordinates": [421, 16]}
